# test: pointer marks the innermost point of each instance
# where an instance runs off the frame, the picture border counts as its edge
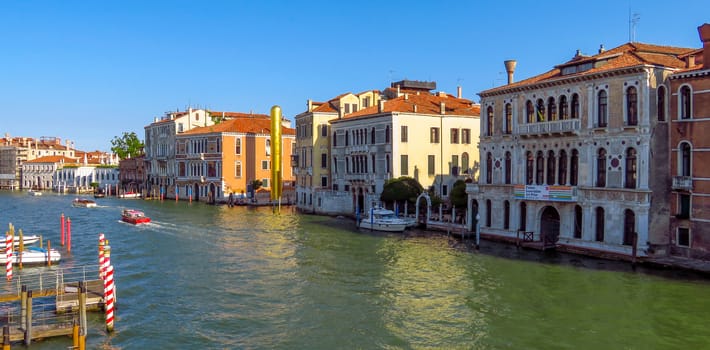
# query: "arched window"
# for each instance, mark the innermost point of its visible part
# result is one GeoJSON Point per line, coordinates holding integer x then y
{"type": "Point", "coordinates": [564, 108]}
{"type": "Point", "coordinates": [685, 102]}
{"type": "Point", "coordinates": [574, 168]}
{"type": "Point", "coordinates": [601, 168]}
{"type": "Point", "coordinates": [540, 110]}
{"type": "Point", "coordinates": [562, 169]}
{"type": "Point", "coordinates": [489, 168]}
{"type": "Point", "coordinates": [335, 139]}
{"type": "Point", "coordinates": [529, 166]}
{"type": "Point", "coordinates": [574, 113]}
{"type": "Point", "coordinates": [508, 118]}
{"type": "Point", "coordinates": [506, 215]}
{"type": "Point", "coordinates": [685, 159]}
{"type": "Point", "coordinates": [631, 106]}
{"type": "Point", "coordinates": [387, 165]}
{"type": "Point", "coordinates": [238, 147]}
{"type": "Point", "coordinates": [661, 103]}
{"type": "Point", "coordinates": [540, 168]}
{"type": "Point", "coordinates": [551, 109]}
{"type": "Point", "coordinates": [374, 170]}
{"type": "Point", "coordinates": [602, 109]}
{"type": "Point", "coordinates": [630, 168]}
{"type": "Point", "coordinates": [551, 167]}
{"type": "Point", "coordinates": [489, 213]}
{"type": "Point", "coordinates": [629, 226]}
{"type": "Point", "coordinates": [464, 161]}
{"type": "Point", "coordinates": [372, 135]}
{"type": "Point", "coordinates": [347, 138]}
{"type": "Point", "coordinates": [577, 221]}
{"type": "Point", "coordinates": [529, 112]}
{"type": "Point", "coordinates": [387, 134]}
{"type": "Point", "coordinates": [508, 168]}
{"type": "Point", "coordinates": [599, 237]}
{"type": "Point", "coordinates": [489, 121]}
{"type": "Point", "coordinates": [523, 216]}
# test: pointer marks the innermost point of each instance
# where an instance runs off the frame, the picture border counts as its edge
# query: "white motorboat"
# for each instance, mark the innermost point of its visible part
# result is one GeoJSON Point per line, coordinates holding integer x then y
{"type": "Point", "coordinates": [33, 255]}
{"type": "Point", "coordinates": [129, 195]}
{"type": "Point", "coordinates": [34, 193]}
{"type": "Point", "coordinates": [16, 241]}
{"type": "Point", "coordinates": [381, 219]}
{"type": "Point", "coordinates": [84, 203]}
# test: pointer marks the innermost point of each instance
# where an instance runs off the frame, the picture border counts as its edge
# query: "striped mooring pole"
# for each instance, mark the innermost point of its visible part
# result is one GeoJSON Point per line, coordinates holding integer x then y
{"type": "Point", "coordinates": [109, 298]}
{"type": "Point", "coordinates": [101, 255]}
{"type": "Point", "coordinates": [8, 256]}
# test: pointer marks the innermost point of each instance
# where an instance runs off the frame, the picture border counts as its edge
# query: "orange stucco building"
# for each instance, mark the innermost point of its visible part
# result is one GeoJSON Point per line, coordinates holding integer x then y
{"type": "Point", "coordinates": [215, 161]}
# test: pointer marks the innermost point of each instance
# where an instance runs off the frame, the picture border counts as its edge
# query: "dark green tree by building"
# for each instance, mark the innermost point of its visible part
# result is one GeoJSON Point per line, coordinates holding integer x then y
{"type": "Point", "coordinates": [127, 146]}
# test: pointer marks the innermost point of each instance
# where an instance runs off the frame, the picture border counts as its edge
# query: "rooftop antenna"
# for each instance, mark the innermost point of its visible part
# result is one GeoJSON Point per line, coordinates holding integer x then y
{"type": "Point", "coordinates": [633, 20]}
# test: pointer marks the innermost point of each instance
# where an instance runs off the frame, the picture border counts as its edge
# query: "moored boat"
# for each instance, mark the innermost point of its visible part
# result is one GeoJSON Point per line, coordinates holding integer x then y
{"type": "Point", "coordinates": [84, 203]}
{"type": "Point", "coordinates": [135, 217]}
{"type": "Point", "coordinates": [25, 240]}
{"type": "Point", "coordinates": [129, 195]}
{"type": "Point", "coordinates": [381, 219]}
{"type": "Point", "coordinates": [34, 193]}
{"type": "Point", "coordinates": [33, 255]}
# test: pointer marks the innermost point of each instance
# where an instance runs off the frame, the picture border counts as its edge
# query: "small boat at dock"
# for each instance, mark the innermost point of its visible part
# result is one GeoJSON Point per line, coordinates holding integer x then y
{"type": "Point", "coordinates": [33, 255]}
{"type": "Point", "coordinates": [134, 217]}
{"type": "Point", "coordinates": [129, 195]}
{"type": "Point", "coordinates": [84, 203]}
{"type": "Point", "coordinates": [25, 240]}
{"type": "Point", "coordinates": [381, 219]}
{"type": "Point", "coordinates": [34, 193]}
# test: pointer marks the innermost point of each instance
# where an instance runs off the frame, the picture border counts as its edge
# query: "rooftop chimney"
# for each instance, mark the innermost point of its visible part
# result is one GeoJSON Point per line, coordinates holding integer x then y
{"type": "Point", "coordinates": [704, 31]}
{"type": "Point", "coordinates": [381, 106]}
{"type": "Point", "coordinates": [510, 68]}
{"type": "Point", "coordinates": [442, 106]}
{"type": "Point", "coordinates": [458, 91]}
{"type": "Point", "coordinates": [601, 48]}
{"type": "Point", "coordinates": [414, 108]}
{"type": "Point", "coordinates": [690, 61]}
{"type": "Point", "coordinates": [310, 105]}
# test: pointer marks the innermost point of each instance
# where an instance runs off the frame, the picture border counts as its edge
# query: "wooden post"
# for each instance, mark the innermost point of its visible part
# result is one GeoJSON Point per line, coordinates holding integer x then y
{"type": "Point", "coordinates": [21, 248]}
{"type": "Point", "coordinates": [634, 245]}
{"type": "Point", "coordinates": [75, 335]}
{"type": "Point", "coordinates": [82, 314]}
{"type": "Point", "coordinates": [28, 319]}
{"type": "Point", "coordinates": [6, 337]}
{"type": "Point", "coordinates": [61, 228]}
{"type": "Point", "coordinates": [68, 234]}
{"type": "Point", "coordinates": [23, 306]}
{"type": "Point", "coordinates": [49, 253]}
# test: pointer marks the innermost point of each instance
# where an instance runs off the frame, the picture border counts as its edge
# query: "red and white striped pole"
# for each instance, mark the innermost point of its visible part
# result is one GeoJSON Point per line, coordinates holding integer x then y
{"type": "Point", "coordinates": [109, 298]}
{"type": "Point", "coordinates": [107, 259]}
{"type": "Point", "coordinates": [101, 255]}
{"type": "Point", "coordinates": [8, 256]}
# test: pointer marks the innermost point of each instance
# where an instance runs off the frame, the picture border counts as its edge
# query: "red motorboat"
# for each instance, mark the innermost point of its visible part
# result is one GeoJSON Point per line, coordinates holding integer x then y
{"type": "Point", "coordinates": [135, 217]}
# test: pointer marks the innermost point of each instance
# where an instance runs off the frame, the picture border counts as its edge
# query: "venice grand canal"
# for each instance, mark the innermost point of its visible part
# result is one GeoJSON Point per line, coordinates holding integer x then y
{"type": "Point", "coordinates": [206, 277]}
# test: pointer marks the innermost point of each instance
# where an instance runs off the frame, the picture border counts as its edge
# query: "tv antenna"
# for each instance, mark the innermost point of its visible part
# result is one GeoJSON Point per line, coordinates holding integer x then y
{"type": "Point", "coordinates": [633, 21]}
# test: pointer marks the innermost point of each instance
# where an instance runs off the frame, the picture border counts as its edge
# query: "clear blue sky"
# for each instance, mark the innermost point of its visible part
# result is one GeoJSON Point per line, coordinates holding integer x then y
{"type": "Point", "coordinates": [91, 70]}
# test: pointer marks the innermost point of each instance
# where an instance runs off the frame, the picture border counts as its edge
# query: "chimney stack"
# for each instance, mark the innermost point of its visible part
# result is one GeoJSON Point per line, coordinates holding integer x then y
{"type": "Point", "coordinates": [458, 91]}
{"type": "Point", "coordinates": [690, 62]}
{"type": "Point", "coordinates": [381, 106]}
{"type": "Point", "coordinates": [310, 105]}
{"type": "Point", "coordinates": [442, 106]}
{"type": "Point", "coordinates": [510, 68]}
{"type": "Point", "coordinates": [704, 31]}
{"type": "Point", "coordinates": [601, 48]}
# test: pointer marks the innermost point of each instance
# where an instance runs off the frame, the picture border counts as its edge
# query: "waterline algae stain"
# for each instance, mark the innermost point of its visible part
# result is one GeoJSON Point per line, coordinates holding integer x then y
{"type": "Point", "coordinates": [210, 277]}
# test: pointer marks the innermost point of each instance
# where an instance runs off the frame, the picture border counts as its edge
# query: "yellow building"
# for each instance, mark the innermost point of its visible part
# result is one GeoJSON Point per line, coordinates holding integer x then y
{"type": "Point", "coordinates": [224, 158]}
{"type": "Point", "coordinates": [410, 131]}
{"type": "Point", "coordinates": [311, 160]}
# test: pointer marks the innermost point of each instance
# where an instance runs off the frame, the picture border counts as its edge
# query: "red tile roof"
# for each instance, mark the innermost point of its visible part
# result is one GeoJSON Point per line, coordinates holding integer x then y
{"type": "Point", "coordinates": [425, 104]}
{"type": "Point", "coordinates": [241, 125]}
{"type": "Point", "coordinates": [625, 56]}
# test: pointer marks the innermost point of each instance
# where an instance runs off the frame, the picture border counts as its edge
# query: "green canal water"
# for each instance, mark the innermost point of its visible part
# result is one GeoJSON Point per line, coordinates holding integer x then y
{"type": "Point", "coordinates": [206, 277]}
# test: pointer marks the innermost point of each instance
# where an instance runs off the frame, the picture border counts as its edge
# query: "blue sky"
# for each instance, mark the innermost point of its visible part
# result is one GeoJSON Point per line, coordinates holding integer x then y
{"type": "Point", "coordinates": [90, 70]}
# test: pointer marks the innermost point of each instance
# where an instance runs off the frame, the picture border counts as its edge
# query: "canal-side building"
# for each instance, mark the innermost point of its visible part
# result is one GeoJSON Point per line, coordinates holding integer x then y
{"type": "Point", "coordinates": [411, 131]}
{"type": "Point", "coordinates": [159, 148]}
{"type": "Point", "coordinates": [65, 174]}
{"type": "Point", "coordinates": [131, 175]}
{"type": "Point", "coordinates": [578, 155]}
{"type": "Point", "coordinates": [225, 158]}
{"type": "Point", "coordinates": [685, 101]}
{"type": "Point", "coordinates": [15, 151]}
{"type": "Point", "coordinates": [311, 160]}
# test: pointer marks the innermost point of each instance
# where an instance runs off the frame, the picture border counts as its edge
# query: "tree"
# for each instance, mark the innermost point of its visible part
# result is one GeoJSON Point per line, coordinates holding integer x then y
{"type": "Point", "coordinates": [401, 189]}
{"type": "Point", "coordinates": [256, 184]}
{"type": "Point", "coordinates": [458, 195]}
{"type": "Point", "coordinates": [127, 146]}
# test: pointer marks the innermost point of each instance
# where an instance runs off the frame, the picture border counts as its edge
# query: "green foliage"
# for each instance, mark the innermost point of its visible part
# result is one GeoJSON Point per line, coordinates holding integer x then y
{"type": "Point", "coordinates": [400, 189]}
{"type": "Point", "coordinates": [458, 195]}
{"type": "Point", "coordinates": [216, 119]}
{"type": "Point", "coordinates": [94, 185]}
{"type": "Point", "coordinates": [127, 146]}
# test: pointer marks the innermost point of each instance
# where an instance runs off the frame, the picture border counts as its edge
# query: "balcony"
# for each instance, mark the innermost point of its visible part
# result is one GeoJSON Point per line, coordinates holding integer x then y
{"type": "Point", "coordinates": [556, 127]}
{"type": "Point", "coordinates": [682, 183]}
